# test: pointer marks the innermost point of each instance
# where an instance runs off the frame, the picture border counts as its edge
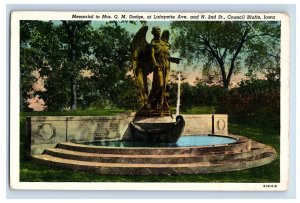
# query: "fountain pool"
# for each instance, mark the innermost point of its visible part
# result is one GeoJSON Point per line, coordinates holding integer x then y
{"type": "Point", "coordinates": [184, 141]}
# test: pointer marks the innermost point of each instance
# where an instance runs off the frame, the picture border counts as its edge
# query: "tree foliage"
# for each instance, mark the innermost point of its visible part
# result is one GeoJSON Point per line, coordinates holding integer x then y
{"type": "Point", "coordinates": [255, 101]}
{"type": "Point", "coordinates": [61, 50]}
{"type": "Point", "coordinates": [39, 47]}
{"type": "Point", "coordinates": [228, 45]}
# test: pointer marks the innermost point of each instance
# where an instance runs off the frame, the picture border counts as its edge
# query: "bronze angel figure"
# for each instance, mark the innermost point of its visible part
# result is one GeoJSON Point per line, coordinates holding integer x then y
{"type": "Point", "coordinates": [153, 57]}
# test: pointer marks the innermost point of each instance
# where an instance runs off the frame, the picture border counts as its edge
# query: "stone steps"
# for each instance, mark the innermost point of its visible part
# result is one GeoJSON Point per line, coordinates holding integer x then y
{"type": "Point", "coordinates": [242, 146]}
{"type": "Point", "coordinates": [154, 159]}
{"type": "Point", "coordinates": [150, 169]}
{"type": "Point", "coordinates": [157, 161]}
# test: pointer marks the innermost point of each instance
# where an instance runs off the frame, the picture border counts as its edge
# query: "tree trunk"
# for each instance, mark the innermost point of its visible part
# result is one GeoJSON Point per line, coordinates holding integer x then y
{"type": "Point", "coordinates": [226, 84]}
{"type": "Point", "coordinates": [74, 93]}
{"type": "Point", "coordinates": [225, 81]}
{"type": "Point", "coordinates": [71, 30]}
{"type": "Point", "coordinates": [73, 80]}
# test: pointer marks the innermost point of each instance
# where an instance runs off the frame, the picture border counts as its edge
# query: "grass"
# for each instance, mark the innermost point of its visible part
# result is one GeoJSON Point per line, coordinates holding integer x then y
{"type": "Point", "coordinates": [31, 172]}
{"type": "Point", "coordinates": [200, 110]}
{"type": "Point", "coordinates": [91, 112]}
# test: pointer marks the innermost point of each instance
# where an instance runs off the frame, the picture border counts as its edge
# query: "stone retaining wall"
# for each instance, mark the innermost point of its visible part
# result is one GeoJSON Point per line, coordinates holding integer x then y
{"type": "Point", "coordinates": [46, 131]}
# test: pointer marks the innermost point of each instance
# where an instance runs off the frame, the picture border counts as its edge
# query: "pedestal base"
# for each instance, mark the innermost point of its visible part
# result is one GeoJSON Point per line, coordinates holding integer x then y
{"type": "Point", "coordinates": [148, 131]}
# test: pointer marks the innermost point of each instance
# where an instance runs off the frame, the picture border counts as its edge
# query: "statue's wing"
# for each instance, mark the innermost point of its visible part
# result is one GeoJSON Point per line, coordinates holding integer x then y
{"type": "Point", "coordinates": [138, 48]}
{"type": "Point", "coordinates": [139, 41]}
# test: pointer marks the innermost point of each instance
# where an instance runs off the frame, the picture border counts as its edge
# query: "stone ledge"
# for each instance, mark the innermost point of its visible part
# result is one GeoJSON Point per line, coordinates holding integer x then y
{"type": "Point", "coordinates": [42, 131]}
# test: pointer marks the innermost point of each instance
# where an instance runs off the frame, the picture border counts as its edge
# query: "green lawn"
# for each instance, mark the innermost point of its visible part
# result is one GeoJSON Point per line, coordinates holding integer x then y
{"type": "Point", "coordinates": [30, 172]}
{"type": "Point", "coordinates": [196, 110]}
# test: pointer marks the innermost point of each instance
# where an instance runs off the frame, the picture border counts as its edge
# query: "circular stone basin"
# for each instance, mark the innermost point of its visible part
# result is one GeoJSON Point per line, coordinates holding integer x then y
{"type": "Point", "coordinates": [184, 141]}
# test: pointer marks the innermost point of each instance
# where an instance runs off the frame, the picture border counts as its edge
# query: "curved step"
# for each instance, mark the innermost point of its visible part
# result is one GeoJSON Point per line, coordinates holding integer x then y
{"type": "Point", "coordinates": [237, 147]}
{"type": "Point", "coordinates": [155, 169]}
{"type": "Point", "coordinates": [149, 158]}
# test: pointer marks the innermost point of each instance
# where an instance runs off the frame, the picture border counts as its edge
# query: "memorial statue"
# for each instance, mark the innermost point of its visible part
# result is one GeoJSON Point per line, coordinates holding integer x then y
{"type": "Point", "coordinates": [154, 121]}
{"type": "Point", "coordinates": [153, 58]}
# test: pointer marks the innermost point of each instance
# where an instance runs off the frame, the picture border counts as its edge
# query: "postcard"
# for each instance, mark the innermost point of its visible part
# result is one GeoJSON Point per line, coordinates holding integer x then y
{"type": "Point", "coordinates": [149, 101]}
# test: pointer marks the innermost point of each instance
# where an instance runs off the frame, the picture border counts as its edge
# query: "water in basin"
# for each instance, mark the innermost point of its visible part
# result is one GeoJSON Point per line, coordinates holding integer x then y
{"type": "Point", "coordinates": [184, 141]}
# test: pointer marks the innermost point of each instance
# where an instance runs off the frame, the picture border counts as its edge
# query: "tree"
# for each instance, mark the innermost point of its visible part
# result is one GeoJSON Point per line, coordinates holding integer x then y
{"type": "Point", "coordinates": [255, 101]}
{"type": "Point", "coordinates": [76, 35]}
{"type": "Point", "coordinates": [61, 50]}
{"type": "Point", "coordinates": [58, 51]}
{"type": "Point", "coordinates": [38, 47]}
{"type": "Point", "coordinates": [227, 45]}
{"type": "Point", "coordinates": [112, 62]}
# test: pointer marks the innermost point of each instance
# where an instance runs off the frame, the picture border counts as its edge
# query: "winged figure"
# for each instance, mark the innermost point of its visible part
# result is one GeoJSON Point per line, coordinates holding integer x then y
{"type": "Point", "coordinates": [142, 63]}
{"type": "Point", "coordinates": [153, 58]}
